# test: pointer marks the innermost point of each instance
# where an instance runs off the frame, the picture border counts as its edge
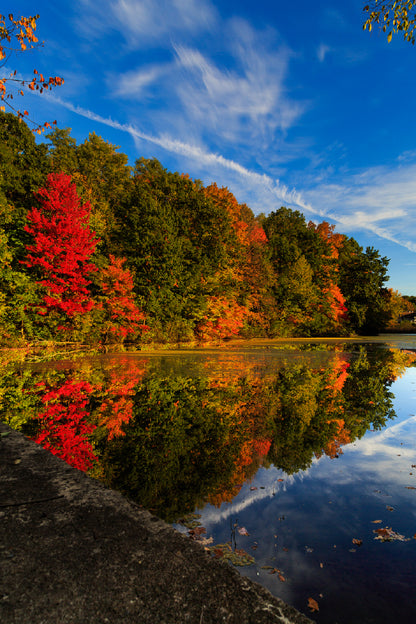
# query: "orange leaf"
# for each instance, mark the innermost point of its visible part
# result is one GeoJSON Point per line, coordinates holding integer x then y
{"type": "Point", "coordinates": [313, 605]}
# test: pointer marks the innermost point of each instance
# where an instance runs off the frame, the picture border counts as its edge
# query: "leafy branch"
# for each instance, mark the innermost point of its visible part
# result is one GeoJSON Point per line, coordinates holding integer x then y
{"type": "Point", "coordinates": [393, 16]}
{"type": "Point", "coordinates": [18, 35]}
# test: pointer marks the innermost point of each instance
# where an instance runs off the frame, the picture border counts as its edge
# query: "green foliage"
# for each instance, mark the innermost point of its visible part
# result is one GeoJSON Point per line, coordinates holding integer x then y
{"type": "Point", "coordinates": [23, 168]}
{"type": "Point", "coordinates": [362, 277]}
{"type": "Point", "coordinates": [174, 238]}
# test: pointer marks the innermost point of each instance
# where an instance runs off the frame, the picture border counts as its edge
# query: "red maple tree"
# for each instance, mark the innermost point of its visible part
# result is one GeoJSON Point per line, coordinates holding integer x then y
{"type": "Point", "coordinates": [63, 245]}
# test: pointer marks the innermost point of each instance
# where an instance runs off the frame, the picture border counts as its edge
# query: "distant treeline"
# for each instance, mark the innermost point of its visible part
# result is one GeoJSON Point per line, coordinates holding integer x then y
{"type": "Point", "coordinates": [94, 250]}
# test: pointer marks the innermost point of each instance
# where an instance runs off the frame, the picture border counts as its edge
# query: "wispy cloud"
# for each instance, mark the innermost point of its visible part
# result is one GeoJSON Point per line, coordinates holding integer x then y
{"type": "Point", "coordinates": [381, 200]}
{"type": "Point", "coordinates": [322, 51]}
{"type": "Point", "coordinates": [276, 190]}
{"type": "Point", "coordinates": [138, 83]}
{"type": "Point", "coordinates": [249, 100]}
{"type": "Point", "coordinates": [144, 21]}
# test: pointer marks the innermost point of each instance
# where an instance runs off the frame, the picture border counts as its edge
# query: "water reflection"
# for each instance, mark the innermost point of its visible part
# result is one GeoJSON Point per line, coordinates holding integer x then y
{"type": "Point", "coordinates": [174, 433]}
{"type": "Point", "coordinates": [243, 437]}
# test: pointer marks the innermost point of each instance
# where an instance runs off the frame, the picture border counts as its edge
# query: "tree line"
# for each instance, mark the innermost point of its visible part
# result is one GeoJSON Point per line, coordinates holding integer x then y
{"type": "Point", "coordinates": [94, 250]}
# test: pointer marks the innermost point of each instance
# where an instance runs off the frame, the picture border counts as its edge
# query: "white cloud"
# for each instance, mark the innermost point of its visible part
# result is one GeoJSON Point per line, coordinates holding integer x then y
{"type": "Point", "coordinates": [322, 51]}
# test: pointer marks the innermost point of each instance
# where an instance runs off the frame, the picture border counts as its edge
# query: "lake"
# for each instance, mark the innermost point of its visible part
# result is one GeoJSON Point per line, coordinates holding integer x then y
{"type": "Point", "coordinates": [296, 461]}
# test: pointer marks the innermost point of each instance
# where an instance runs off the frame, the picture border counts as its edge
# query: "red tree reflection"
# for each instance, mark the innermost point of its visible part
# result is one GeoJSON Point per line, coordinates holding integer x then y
{"type": "Point", "coordinates": [64, 427]}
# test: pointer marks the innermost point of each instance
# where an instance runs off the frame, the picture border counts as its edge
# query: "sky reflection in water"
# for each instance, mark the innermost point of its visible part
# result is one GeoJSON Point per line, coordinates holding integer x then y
{"type": "Point", "coordinates": [304, 526]}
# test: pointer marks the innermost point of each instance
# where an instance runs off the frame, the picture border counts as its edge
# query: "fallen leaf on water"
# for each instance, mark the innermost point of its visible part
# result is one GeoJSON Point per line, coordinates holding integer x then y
{"type": "Point", "coordinates": [321, 565]}
{"type": "Point", "coordinates": [388, 535]}
{"type": "Point", "coordinates": [313, 605]}
{"type": "Point", "coordinates": [309, 550]}
{"type": "Point", "coordinates": [253, 488]}
{"type": "Point", "coordinates": [389, 508]}
{"type": "Point", "coordinates": [356, 541]}
{"type": "Point", "coordinates": [377, 521]}
{"type": "Point", "coordinates": [197, 531]}
{"type": "Point", "coordinates": [243, 531]}
{"type": "Point", "coordinates": [279, 574]}
{"type": "Point", "coordinates": [280, 480]}
{"type": "Point", "coordinates": [408, 487]}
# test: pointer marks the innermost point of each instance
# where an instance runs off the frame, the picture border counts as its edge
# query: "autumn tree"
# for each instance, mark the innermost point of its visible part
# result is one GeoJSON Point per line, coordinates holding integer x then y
{"type": "Point", "coordinates": [121, 315]}
{"type": "Point", "coordinates": [332, 305]}
{"type": "Point", "coordinates": [393, 17]}
{"type": "Point", "coordinates": [18, 35]}
{"type": "Point", "coordinates": [247, 277]}
{"type": "Point", "coordinates": [60, 254]}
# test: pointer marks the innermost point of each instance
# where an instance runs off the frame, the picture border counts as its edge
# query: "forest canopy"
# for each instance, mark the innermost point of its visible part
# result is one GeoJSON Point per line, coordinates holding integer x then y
{"type": "Point", "coordinates": [94, 250]}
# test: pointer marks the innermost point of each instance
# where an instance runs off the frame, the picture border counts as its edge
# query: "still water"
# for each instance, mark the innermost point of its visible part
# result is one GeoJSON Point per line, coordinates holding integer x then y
{"type": "Point", "coordinates": [294, 461]}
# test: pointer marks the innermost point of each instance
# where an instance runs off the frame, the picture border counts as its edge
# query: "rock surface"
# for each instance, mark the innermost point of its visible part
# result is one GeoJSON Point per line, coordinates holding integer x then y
{"type": "Point", "coordinates": [75, 552]}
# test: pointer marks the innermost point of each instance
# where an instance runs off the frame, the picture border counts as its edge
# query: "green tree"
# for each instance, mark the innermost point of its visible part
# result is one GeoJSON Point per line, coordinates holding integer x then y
{"type": "Point", "coordinates": [362, 278]}
{"type": "Point", "coordinates": [299, 256]}
{"type": "Point", "coordinates": [174, 239]}
{"type": "Point", "coordinates": [23, 169]}
{"type": "Point", "coordinates": [62, 151]}
{"type": "Point", "coordinates": [393, 16]}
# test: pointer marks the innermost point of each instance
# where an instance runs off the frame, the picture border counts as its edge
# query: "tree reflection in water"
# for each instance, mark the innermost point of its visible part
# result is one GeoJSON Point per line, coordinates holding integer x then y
{"type": "Point", "coordinates": [174, 439]}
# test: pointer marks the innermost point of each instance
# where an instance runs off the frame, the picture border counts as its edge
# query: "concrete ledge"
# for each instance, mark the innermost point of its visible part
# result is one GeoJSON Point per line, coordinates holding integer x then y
{"type": "Point", "coordinates": [75, 552]}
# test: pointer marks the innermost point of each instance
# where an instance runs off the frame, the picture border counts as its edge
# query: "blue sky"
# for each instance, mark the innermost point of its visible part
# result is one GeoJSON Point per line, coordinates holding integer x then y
{"type": "Point", "coordinates": [285, 103]}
